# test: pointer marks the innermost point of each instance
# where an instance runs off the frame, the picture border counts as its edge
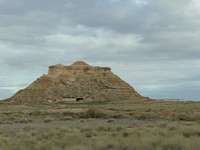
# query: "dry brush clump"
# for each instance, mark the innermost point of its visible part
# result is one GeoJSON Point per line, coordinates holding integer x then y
{"type": "Point", "coordinates": [111, 120]}
{"type": "Point", "coordinates": [48, 119]}
{"type": "Point", "coordinates": [188, 132]}
{"type": "Point", "coordinates": [25, 120]}
{"type": "Point", "coordinates": [188, 117]}
{"type": "Point", "coordinates": [65, 118]}
{"type": "Point", "coordinates": [94, 113]}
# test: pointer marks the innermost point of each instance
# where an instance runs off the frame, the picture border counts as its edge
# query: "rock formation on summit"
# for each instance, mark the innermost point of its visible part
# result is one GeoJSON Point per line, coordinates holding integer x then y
{"type": "Point", "coordinates": [79, 80]}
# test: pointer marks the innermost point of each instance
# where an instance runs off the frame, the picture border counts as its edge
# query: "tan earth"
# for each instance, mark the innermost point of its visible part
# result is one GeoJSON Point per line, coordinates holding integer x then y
{"type": "Point", "coordinates": [78, 81]}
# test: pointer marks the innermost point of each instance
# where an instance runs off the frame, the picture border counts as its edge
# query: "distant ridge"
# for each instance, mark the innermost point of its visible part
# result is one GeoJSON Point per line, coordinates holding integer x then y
{"type": "Point", "coordinates": [176, 100]}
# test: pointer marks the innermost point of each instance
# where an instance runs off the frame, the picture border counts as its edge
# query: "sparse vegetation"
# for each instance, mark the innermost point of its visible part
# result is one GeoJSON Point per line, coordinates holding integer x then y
{"type": "Point", "coordinates": [111, 120]}
{"type": "Point", "coordinates": [94, 113]}
{"type": "Point", "coordinates": [100, 125]}
{"type": "Point", "coordinates": [48, 119]}
{"type": "Point", "coordinates": [67, 118]}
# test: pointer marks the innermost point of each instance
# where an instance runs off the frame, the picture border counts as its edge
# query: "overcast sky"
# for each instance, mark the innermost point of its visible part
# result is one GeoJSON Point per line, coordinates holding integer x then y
{"type": "Point", "coordinates": [154, 45]}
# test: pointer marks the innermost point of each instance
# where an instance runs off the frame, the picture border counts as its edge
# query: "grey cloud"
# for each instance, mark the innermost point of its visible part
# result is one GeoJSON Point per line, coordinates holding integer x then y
{"type": "Point", "coordinates": [5, 94]}
{"type": "Point", "coordinates": [158, 41]}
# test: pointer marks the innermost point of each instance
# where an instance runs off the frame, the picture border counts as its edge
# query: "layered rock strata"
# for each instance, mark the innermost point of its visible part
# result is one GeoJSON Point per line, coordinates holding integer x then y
{"type": "Point", "coordinates": [79, 80]}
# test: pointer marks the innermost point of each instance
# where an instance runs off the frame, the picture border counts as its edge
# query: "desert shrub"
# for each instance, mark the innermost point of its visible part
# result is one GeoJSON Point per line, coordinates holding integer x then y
{"type": "Point", "coordinates": [91, 134]}
{"type": "Point", "coordinates": [82, 120]}
{"type": "Point", "coordinates": [125, 134]}
{"type": "Point", "coordinates": [119, 128]}
{"type": "Point", "coordinates": [108, 128]}
{"type": "Point", "coordinates": [111, 120]}
{"type": "Point", "coordinates": [43, 146]}
{"type": "Point", "coordinates": [48, 119]}
{"type": "Point", "coordinates": [163, 133]}
{"type": "Point", "coordinates": [66, 130]}
{"type": "Point", "coordinates": [141, 117]}
{"type": "Point", "coordinates": [108, 146]}
{"type": "Point", "coordinates": [28, 128]}
{"type": "Point", "coordinates": [68, 113]}
{"type": "Point", "coordinates": [105, 129]}
{"type": "Point", "coordinates": [85, 129]}
{"type": "Point", "coordinates": [94, 113]}
{"type": "Point", "coordinates": [182, 116]}
{"type": "Point", "coordinates": [101, 129]}
{"type": "Point", "coordinates": [187, 117]}
{"type": "Point", "coordinates": [172, 146]}
{"type": "Point", "coordinates": [118, 116]}
{"type": "Point", "coordinates": [79, 147]}
{"type": "Point", "coordinates": [172, 127]}
{"type": "Point", "coordinates": [189, 132]}
{"type": "Point", "coordinates": [114, 134]}
{"type": "Point", "coordinates": [162, 124]}
{"type": "Point", "coordinates": [8, 122]}
{"type": "Point", "coordinates": [24, 120]}
{"type": "Point", "coordinates": [11, 118]}
{"type": "Point", "coordinates": [144, 116]}
{"type": "Point", "coordinates": [46, 136]}
{"type": "Point", "coordinates": [173, 143]}
{"type": "Point", "coordinates": [68, 141]}
{"type": "Point", "coordinates": [67, 118]}
{"type": "Point", "coordinates": [97, 102]}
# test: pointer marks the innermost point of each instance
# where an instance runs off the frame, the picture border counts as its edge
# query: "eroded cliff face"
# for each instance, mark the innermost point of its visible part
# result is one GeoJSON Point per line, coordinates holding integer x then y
{"type": "Point", "coordinates": [76, 68]}
{"type": "Point", "coordinates": [77, 80]}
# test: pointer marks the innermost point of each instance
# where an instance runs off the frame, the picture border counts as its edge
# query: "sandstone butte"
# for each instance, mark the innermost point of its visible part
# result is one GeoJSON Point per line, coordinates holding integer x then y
{"type": "Point", "coordinates": [79, 81]}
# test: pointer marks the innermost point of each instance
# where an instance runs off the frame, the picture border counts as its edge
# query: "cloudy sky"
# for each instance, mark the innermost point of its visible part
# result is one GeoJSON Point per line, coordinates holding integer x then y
{"type": "Point", "coordinates": [154, 45]}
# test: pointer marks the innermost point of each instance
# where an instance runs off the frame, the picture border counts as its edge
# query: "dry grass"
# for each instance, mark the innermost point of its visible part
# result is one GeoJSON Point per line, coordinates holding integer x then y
{"type": "Point", "coordinates": [129, 125]}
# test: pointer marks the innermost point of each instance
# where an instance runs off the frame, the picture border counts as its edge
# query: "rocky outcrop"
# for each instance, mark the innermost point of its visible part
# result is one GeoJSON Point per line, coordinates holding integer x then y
{"type": "Point", "coordinates": [79, 80]}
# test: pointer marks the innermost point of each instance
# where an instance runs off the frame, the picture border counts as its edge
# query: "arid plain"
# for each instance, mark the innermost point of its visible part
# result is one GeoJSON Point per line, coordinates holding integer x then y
{"type": "Point", "coordinates": [81, 107]}
{"type": "Point", "coordinates": [106, 125]}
